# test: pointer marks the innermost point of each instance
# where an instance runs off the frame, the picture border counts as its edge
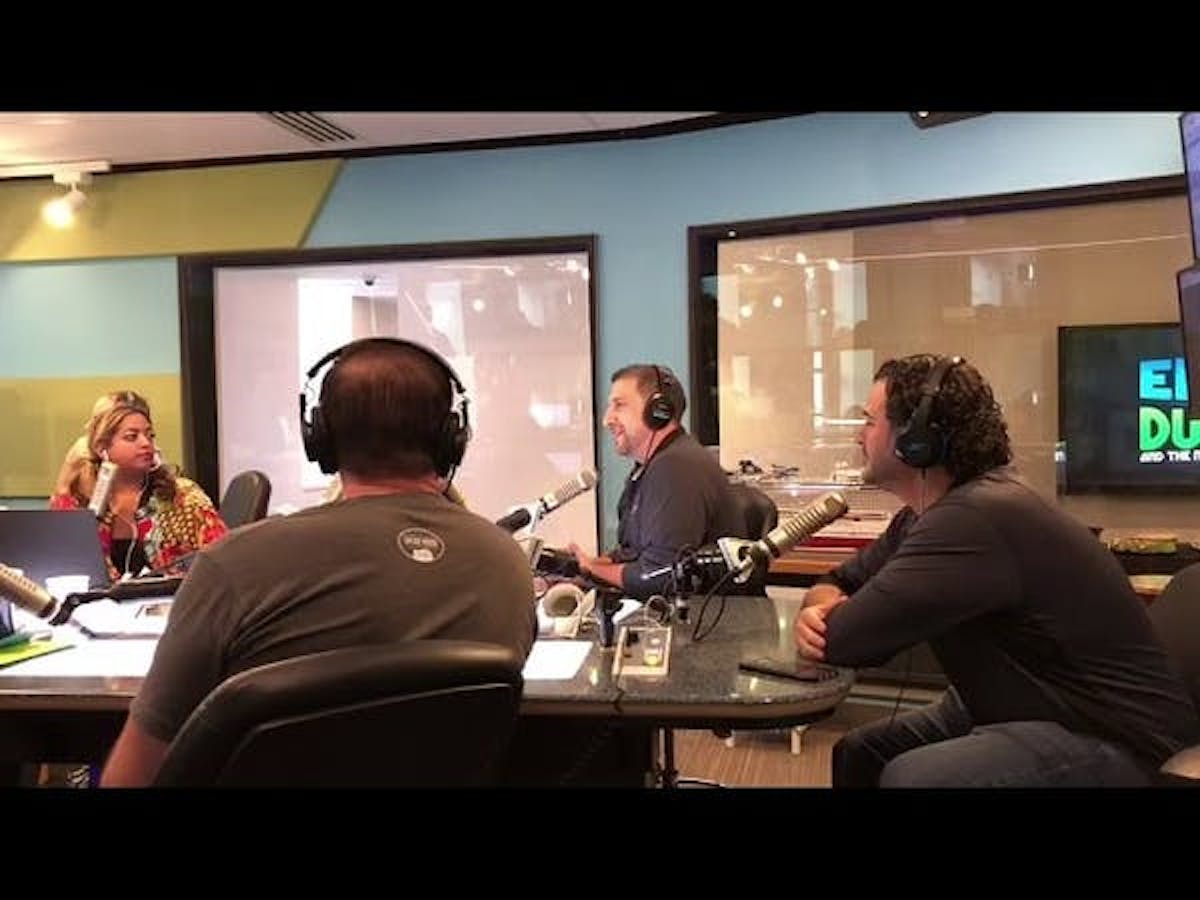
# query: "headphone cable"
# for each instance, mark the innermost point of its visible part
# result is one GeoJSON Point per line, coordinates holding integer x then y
{"type": "Point", "coordinates": [132, 523]}
{"type": "Point", "coordinates": [133, 540]}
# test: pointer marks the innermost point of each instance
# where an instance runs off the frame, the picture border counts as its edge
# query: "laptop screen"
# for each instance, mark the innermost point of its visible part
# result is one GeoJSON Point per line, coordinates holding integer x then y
{"type": "Point", "coordinates": [44, 543]}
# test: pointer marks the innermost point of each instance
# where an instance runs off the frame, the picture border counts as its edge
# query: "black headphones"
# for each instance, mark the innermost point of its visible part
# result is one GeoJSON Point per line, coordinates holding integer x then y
{"type": "Point", "coordinates": [659, 410]}
{"type": "Point", "coordinates": [920, 443]}
{"type": "Point", "coordinates": [455, 432]}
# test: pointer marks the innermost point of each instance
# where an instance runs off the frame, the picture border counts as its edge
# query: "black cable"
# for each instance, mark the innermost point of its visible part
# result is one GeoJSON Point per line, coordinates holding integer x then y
{"type": "Point", "coordinates": [697, 636]}
{"type": "Point", "coordinates": [903, 684]}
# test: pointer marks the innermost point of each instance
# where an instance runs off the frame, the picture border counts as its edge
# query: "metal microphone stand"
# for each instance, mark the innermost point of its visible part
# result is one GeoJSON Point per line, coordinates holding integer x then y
{"type": "Point", "coordinates": [693, 574]}
{"type": "Point", "coordinates": [122, 590]}
{"type": "Point", "coordinates": [688, 576]}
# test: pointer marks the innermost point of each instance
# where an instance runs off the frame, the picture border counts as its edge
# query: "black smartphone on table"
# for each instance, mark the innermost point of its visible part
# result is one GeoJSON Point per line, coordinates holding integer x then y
{"type": "Point", "coordinates": [795, 668]}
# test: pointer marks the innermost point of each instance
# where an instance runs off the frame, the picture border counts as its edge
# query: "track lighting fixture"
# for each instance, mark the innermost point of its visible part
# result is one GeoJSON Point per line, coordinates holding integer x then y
{"type": "Point", "coordinates": [60, 212]}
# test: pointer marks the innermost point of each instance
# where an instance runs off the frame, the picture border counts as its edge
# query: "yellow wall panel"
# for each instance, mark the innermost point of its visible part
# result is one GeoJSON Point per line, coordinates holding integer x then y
{"type": "Point", "coordinates": [43, 416]}
{"type": "Point", "coordinates": [205, 210]}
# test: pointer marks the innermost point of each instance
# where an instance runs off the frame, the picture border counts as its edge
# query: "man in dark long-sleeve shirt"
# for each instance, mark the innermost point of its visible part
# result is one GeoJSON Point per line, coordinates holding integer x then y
{"type": "Point", "coordinates": [676, 498]}
{"type": "Point", "coordinates": [1056, 677]}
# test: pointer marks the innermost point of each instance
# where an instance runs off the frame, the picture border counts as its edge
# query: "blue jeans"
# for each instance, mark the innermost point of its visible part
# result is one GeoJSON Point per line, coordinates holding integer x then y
{"type": "Point", "coordinates": [939, 746]}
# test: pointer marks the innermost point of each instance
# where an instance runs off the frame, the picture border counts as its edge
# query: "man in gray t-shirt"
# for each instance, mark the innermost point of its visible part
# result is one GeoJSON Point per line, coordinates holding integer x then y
{"type": "Point", "coordinates": [393, 560]}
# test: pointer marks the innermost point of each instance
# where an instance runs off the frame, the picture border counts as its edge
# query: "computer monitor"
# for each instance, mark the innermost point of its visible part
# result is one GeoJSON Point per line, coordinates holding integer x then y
{"type": "Point", "coordinates": [1189, 127]}
{"type": "Point", "coordinates": [1189, 325]}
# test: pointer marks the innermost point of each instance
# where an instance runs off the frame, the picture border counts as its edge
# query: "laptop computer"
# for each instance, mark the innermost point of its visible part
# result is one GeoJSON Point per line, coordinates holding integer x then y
{"type": "Point", "coordinates": [44, 543]}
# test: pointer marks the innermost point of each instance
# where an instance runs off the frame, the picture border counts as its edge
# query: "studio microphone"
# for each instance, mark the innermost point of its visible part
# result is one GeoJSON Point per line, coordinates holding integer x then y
{"type": "Point", "coordinates": [739, 556]}
{"type": "Point", "coordinates": [515, 520]}
{"type": "Point", "coordinates": [26, 593]}
{"type": "Point", "coordinates": [743, 557]}
{"type": "Point", "coordinates": [519, 518]}
{"type": "Point", "coordinates": [104, 480]}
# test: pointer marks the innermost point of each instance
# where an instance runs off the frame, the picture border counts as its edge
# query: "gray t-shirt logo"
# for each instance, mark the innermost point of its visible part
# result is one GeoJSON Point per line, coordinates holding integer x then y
{"type": "Point", "coordinates": [420, 545]}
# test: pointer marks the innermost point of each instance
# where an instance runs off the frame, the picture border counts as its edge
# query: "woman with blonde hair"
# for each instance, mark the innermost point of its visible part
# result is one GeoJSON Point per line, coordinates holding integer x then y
{"type": "Point", "coordinates": [152, 516]}
{"type": "Point", "coordinates": [78, 451]}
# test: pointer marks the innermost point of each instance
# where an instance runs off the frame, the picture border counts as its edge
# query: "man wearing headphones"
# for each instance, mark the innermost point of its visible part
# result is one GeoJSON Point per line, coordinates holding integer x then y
{"type": "Point", "coordinates": [394, 559]}
{"type": "Point", "coordinates": [1056, 677]}
{"type": "Point", "coordinates": [677, 496]}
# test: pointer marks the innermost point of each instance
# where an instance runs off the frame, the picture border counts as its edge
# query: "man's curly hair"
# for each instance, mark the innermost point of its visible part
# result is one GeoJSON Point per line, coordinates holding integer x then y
{"type": "Point", "coordinates": [964, 410]}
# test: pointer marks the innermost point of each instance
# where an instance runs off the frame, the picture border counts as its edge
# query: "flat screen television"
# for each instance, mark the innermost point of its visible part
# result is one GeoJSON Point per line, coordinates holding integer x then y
{"type": "Point", "coordinates": [1122, 407]}
{"type": "Point", "coordinates": [1189, 325]}
{"type": "Point", "coordinates": [1189, 126]}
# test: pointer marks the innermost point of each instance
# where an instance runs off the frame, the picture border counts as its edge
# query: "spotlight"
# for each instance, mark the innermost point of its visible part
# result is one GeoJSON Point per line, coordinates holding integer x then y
{"type": "Point", "coordinates": [60, 212]}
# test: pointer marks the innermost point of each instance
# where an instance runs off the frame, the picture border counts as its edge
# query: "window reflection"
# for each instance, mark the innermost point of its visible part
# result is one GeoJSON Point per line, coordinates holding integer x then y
{"type": "Point", "coordinates": [516, 329]}
{"type": "Point", "coordinates": [803, 319]}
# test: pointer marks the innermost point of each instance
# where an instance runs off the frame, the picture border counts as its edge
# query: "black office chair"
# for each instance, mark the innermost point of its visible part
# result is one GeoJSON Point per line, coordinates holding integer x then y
{"type": "Point", "coordinates": [420, 713]}
{"type": "Point", "coordinates": [246, 498]}
{"type": "Point", "coordinates": [755, 508]}
{"type": "Point", "coordinates": [1176, 617]}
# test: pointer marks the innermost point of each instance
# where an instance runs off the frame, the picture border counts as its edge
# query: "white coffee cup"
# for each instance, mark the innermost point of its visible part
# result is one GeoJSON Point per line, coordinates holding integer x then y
{"type": "Point", "coordinates": [566, 604]}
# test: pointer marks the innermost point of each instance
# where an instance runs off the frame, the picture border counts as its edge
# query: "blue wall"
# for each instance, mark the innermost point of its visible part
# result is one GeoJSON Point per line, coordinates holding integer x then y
{"type": "Point", "coordinates": [70, 319]}
{"type": "Point", "coordinates": [639, 197]}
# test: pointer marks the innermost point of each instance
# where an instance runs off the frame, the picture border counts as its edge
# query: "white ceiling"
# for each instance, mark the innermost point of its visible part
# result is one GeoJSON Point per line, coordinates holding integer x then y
{"type": "Point", "coordinates": [131, 139]}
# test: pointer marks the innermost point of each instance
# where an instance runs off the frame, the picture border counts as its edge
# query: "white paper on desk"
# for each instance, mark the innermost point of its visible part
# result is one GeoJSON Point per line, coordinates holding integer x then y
{"type": "Point", "coordinates": [555, 660]}
{"type": "Point", "coordinates": [110, 659]}
{"type": "Point", "coordinates": [107, 618]}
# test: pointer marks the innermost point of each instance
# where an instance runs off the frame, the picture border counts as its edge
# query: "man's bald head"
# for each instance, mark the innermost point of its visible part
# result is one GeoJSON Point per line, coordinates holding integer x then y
{"type": "Point", "coordinates": [385, 404]}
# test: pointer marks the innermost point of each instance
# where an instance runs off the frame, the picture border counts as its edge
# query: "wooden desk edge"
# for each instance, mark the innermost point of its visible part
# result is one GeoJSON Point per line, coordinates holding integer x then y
{"type": "Point", "coordinates": [797, 564]}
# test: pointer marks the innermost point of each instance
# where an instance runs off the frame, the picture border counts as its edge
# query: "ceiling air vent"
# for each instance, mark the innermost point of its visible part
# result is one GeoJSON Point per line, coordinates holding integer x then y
{"type": "Point", "coordinates": [311, 127]}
